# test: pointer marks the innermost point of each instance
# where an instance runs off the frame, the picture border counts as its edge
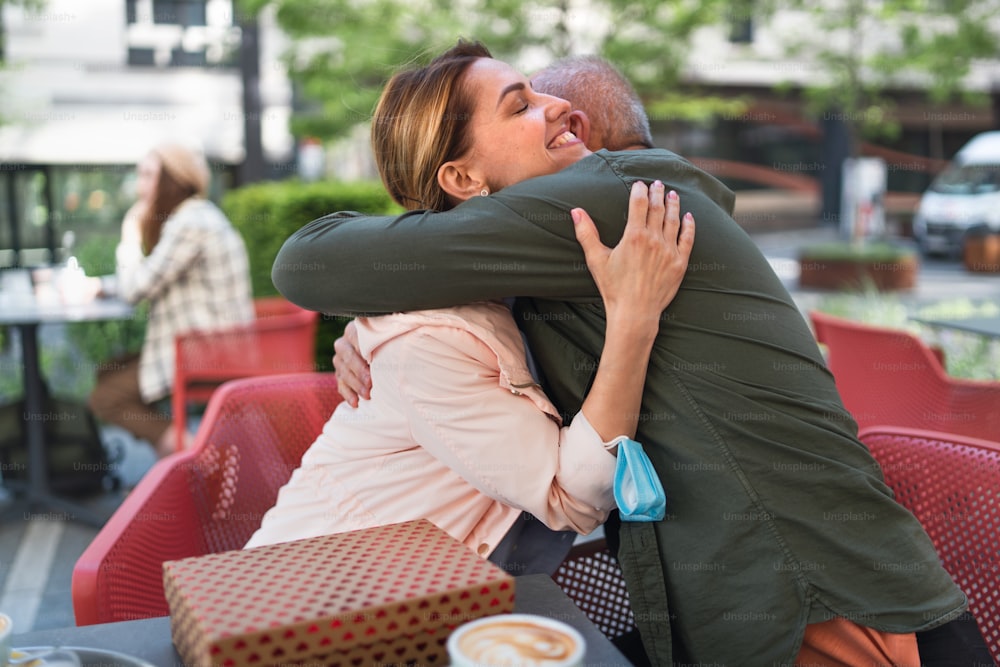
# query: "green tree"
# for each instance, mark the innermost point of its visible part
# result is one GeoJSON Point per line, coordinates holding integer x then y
{"type": "Point", "coordinates": [343, 51]}
{"type": "Point", "coordinates": [857, 49]}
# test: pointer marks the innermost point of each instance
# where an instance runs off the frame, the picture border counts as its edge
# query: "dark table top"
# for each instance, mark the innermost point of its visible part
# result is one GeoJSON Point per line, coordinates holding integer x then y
{"type": "Point", "coordinates": [983, 326]}
{"type": "Point", "coordinates": [149, 639]}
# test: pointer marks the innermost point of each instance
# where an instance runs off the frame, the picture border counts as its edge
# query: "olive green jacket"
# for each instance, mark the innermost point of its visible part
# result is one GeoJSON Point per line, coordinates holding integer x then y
{"type": "Point", "coordinates": [777, 514]}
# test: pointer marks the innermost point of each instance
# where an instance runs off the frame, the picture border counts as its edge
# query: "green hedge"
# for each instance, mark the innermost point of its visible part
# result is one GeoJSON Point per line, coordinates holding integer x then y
{"type": "Point", "coordinates": [268, 213]}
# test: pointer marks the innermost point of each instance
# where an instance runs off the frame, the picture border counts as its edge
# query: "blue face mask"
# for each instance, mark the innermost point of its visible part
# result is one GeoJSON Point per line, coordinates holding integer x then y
{"type": "Point", "coordinates": [638, 491]}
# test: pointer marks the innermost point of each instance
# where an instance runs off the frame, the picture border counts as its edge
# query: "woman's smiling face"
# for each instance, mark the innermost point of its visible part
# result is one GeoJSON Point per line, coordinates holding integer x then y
{"type": "Point", "coordinates": [517, 133]}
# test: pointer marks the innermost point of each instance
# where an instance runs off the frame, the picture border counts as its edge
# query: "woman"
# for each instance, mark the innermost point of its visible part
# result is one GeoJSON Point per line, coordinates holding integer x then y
{"type": "Point", "coordinates": [180, 253]}
{"type": "Point", "coordinates": [460, 433]}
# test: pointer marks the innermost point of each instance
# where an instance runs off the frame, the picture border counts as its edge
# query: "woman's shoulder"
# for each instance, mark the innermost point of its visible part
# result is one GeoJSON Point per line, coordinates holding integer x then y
{"type": "Point", "coordinates": [472, 328]}
{"type": "Point", "coordinates": [484, 320]}
{"type": "Point", "coordinates": [198, 211]}
{"type": "Point", "coordinates": [199, 204]}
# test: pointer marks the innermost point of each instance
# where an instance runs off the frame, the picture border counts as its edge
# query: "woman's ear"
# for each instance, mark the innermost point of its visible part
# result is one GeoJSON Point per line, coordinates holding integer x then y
{"type": "Point", "coordinates": [458, 182]}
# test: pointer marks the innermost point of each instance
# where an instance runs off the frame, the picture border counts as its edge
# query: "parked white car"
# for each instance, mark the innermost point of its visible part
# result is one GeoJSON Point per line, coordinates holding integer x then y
{"type": "Point", "coordinates": [963, 197]}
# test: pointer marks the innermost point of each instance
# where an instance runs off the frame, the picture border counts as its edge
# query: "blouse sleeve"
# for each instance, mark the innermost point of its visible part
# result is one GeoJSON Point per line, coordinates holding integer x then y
{"type": "Point", "coordinates": [446, 382]}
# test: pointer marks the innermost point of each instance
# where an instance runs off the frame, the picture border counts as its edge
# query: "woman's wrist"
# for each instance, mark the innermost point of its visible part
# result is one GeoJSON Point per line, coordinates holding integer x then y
{"type": "Point", "coordinates": [642, 329]}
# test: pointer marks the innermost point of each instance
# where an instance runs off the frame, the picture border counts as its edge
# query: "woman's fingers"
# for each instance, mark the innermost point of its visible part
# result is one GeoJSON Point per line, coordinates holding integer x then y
{"type": "Point", "coordinates": [672, 220]}
{"type": "Point", "coordinates": [638, 207]}
{"type": "Point", "coordinates": [586, 234]}
{"type": "Point", "coordinates": [685, 240]}
{"type": "Point", "coordinates": [643, 271]}
{"type": "Point", "coordinates": [353, 377]}
{"type": "Point", "coordinates": [657, 212]}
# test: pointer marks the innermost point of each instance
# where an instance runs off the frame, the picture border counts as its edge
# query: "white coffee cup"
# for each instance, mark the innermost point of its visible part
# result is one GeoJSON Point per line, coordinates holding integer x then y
{"type": "Point", "coordinates": [522, 640]}
{"type": "Point", "coordinates": [6, 632]}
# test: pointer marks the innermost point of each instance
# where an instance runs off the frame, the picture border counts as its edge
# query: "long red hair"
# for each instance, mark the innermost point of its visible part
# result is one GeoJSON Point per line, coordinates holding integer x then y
{"type": "Point", "coordinates": [167, 196]}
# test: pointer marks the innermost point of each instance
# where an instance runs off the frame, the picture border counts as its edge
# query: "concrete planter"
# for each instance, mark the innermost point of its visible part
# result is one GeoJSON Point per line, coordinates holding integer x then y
{"type": "Point", "coordinates": [834, 268]}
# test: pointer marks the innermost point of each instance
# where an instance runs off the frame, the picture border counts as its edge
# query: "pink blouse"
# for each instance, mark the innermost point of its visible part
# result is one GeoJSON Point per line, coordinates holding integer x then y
{"type": "Point", "coordinates": [456, 431]}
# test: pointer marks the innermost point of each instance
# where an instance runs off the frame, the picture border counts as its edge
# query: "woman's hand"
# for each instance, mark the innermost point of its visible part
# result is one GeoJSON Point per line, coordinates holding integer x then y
{"type": "Point", "coordinates": [354, 380]}
{"type": "Point", "coordinates": [640, 276]}
{"type": "Point", "coordinates": [637, 279]}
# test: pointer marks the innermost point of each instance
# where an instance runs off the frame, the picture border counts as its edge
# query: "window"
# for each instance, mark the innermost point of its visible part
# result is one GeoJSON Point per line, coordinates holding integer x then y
{"type": "Point", "coordinates": [141, 57]}
{"type": "Point", "coordinates": [181, 58]}
{"type": "Point", "coordinates": [741, 22]}
{"type": "Point", "coordinates": [179, 12]}
{"type": "Point", "coordinates": [181, 33]}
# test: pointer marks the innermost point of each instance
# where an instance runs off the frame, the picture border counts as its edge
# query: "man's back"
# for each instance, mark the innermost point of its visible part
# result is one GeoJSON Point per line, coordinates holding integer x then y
{"type": "Point", "coordinates": [757, 455]}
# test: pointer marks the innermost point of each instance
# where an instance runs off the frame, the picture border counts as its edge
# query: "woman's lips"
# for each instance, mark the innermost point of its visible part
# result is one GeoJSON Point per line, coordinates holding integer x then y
{"type": "Point", "coordinates": [563, 139]}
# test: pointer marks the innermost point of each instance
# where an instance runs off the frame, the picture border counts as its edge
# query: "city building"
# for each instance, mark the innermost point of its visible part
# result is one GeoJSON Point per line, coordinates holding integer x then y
{"type": "Point", "coordinates": [88, 87]}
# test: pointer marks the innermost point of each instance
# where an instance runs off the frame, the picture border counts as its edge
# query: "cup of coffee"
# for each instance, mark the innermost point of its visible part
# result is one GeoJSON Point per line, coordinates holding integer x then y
{"type": "Point", "coordinates": [524, 640]}
{"type": "Point", "coordinates": [6, 632]}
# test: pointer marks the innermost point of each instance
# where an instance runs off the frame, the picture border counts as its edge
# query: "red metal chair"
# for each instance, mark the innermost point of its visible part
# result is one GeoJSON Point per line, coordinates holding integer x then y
{"type": "Point", "coordinates": [889, 376]}
{"type": "Point", "coordinates": [207, 499]}
{"type": "Point", "coordinates": [280, 340]}
{"type": "Point", "coordinates": [952, 485]}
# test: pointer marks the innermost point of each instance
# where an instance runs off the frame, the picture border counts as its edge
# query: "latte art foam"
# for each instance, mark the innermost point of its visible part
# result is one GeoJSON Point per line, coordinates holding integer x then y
{"type": "Point", "coordinates": [517, 643]}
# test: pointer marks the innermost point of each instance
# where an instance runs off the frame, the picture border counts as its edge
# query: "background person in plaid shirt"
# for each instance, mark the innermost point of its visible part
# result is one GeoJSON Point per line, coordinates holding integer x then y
{"type": "Point", "coordinates": [180, 253]}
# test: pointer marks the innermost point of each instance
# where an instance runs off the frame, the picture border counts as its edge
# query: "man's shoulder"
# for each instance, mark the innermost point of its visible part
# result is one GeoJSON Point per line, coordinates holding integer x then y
{"type": "Point", "coordinates": [675, 171]}
{"type": "Point", "coordinates": [639, 156]}
{"type": "Point", "coordinates": [644, 160]}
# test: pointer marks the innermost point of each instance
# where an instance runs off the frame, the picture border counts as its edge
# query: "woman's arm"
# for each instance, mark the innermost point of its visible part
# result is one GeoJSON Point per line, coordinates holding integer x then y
{"type": "Point", "coordinates": [447, 382]}
{"type": "Point", "coordinates": [637, 279]}
{"type": "Point", "coordinates": [354, 378]}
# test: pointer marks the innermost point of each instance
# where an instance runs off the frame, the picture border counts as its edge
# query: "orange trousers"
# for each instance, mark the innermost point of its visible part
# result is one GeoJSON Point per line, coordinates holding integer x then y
{"type": "Point", "coordinates": [843, 643]}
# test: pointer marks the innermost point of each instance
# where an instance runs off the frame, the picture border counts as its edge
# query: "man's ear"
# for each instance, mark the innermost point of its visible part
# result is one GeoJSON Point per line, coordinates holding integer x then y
{"type": "Point", "coordinates": [458, 182]}
{"type": "Point", "coordinates": [579, 125]}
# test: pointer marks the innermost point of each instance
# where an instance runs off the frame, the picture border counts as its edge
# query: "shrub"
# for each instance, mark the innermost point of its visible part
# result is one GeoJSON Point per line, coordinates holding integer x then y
{"type": "Point", "coordinates": [868, 252]}
{"type": "Point", "coordinates": [95, 342]}
{"type": "Point", "coordinates": [268, 213]}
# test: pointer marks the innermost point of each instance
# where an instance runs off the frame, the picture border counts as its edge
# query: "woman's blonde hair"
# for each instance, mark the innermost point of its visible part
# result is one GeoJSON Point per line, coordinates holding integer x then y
{"type": "Point", "coordinates": [422, 121]}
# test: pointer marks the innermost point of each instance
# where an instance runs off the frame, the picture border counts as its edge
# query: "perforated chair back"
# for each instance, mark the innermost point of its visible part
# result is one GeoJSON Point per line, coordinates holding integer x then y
{"type": "Point", "coordinates": [591, 577]}
{"type": "Point", "coordinates": [889, 376]}
{"type": "Point", "coordinates": [951, 484]}
{"type": "Point", "coordinates": [208, 499]}
{"type": "Point", "coordinates": [280, 340]}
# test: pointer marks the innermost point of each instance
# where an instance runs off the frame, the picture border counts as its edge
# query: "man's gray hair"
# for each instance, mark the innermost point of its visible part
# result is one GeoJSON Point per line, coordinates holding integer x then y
{"type": "Point", "coordinates": [596, 87]}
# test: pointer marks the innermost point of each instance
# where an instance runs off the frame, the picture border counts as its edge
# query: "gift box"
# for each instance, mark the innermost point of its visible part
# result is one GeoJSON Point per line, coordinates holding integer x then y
{"type": "Point", "coordinates": [385, 595]}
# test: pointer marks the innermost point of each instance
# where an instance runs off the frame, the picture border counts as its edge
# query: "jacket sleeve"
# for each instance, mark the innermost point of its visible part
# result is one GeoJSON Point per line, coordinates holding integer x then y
{"type": "Point", "coordinates": [447, 386]}
{"type": "Point", "coordinates": [517, 242]}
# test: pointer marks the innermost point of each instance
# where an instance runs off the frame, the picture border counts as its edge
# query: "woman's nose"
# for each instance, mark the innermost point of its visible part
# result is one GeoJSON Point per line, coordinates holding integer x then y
{"type": "Point", "coordinates": [556, 107]}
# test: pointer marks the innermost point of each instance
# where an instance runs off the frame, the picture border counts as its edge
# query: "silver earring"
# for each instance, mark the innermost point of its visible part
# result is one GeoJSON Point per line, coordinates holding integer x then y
{"type": "Point", "coordinates": [484, 192]}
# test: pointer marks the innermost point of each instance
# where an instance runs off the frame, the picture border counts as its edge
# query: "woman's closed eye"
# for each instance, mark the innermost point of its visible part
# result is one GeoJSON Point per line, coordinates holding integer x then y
{"type": "Point", "coordinates": [522, 109]}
